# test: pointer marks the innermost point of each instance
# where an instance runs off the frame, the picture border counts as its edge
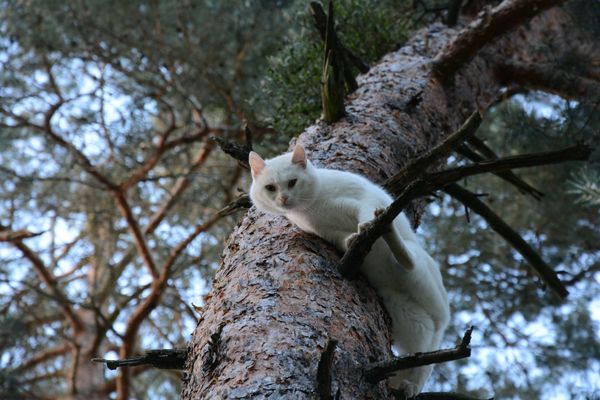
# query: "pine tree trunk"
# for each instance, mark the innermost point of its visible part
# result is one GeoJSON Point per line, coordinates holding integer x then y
{"type": "Point", "coordinates": [277, 297]}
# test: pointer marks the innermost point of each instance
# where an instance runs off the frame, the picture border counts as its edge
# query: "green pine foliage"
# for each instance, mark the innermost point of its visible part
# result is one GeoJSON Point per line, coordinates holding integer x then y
{"type": "Point", "coordinates": [370, 29]}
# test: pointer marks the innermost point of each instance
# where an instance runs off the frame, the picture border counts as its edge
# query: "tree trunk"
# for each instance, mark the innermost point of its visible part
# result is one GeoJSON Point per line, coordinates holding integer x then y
{"type": "Point", "coordinates": [277, 297]}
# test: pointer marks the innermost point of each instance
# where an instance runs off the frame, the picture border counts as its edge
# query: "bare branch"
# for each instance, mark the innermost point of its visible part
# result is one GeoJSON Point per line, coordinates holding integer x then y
{"type": "Point", "coordinates": [501, 19]}
{"type": "Point", "coordinates": [158, 286]}
{"type": "Point", "coordinates": [488, 154]}
{"type": "Point", "coordinates": [453, 12]}
{"type": "Point", "coordinates": [412, 187]}
{"type": "Point", "coordinates": [49, 279]}
{"type": "Point", "coordinates": [548, 78]}
{"type": "Point", "coordinates": [324, 370]}
{"type": "Point", "coordinates": [139, 240]}
{"type": "Point", "coordinates": [161, 359]}
{"type": "Point", "coordinates": [242, 201]}
{"type": "Point", "coordinates": [417, 167]}
{"type": "Point", "coordinates": [510, 235]}
{"type": "Point", "coordinates": [240, 153]}
{"type": "Point", "coordinates": [362, 243]}
{"type": "Point", "coordinates": [21, 234]}
{"type": "Point", "coordinates": [44, 355]}
{"type": "Point", "coordinates": [579, 152]}
{"type": "Point", "coordinates": [383, 369]}
{"type": "Point", "coordinates": [445, 396]}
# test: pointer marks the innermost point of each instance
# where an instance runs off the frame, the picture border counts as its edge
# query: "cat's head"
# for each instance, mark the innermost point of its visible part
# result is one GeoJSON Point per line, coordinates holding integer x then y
{"type": "Point", "coordinates": [282, 184]}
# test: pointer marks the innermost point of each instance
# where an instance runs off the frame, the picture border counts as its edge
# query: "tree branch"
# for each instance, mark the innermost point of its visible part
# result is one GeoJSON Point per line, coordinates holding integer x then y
{"type": "Point", "coordinates": [10, 236]}
{"type": "Point", "coordinates": [579, 152]}
{"type": "Point", "coordinates": [445, 396]}
{"type": "Point", "coordinates": [417, 167]}
{"type": "Point", "coordinates": [383, 369]}
{"type": "Point", "coordinates": [47, 277]}
{"type": "Point", "coordinates": [412, 187]}
{"type": "Point", "coordinates": [501, 19]}
{"type": "Point", "coordinates": [324, 370]}
{"type": "Point", "coordinates": [453, 12]}
{"type": "Point", "coordinates": [466, 151]}
{"type": "Point", "coordinates": [240, 153]}
{"type": "Point", "coordinates": [548, 78]}
{"type": "Point", "coordinates": [161, 359]}
{"type": "Point", "coordinates": [139, 239]}
{"type": "Point", "coordinates": [144, 309]}
{"type": "Point", "coordinates": [320, 19]}
{"type": "Point", "coordinates": [428, 182]}
{"type": "Point", "coordinates": [546, 273]}
{"type": "Point", "coordinates": [81, 158]}
{"type": "Point", "coordinates": [361, 245]}
{"type": "Point", "coordinates": [175, 193]}
{"type": "Point", "coordinates": [43, 356]}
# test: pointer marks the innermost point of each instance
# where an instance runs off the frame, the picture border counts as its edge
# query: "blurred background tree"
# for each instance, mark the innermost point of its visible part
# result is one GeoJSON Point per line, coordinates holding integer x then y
{"type": "Point", "coordinates": [110, 190]}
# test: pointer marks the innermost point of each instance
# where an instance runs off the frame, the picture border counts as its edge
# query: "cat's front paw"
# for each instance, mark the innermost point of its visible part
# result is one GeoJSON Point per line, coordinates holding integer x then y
{"type": "Point", "coordinates": [364, 226]}
{"type": "Point", "coordinates": [405, 389]}
{"type": "Point", "coordinates": [350, 240]}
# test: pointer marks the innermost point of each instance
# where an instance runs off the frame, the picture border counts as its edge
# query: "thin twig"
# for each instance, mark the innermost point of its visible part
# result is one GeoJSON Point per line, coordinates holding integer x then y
{"type": "Point", "coordinates": [381, 370]}
{"type": "Point", "coordinates": [510, 235]}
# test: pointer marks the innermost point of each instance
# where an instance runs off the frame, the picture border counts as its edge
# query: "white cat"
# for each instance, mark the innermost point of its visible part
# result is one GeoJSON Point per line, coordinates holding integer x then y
{"type": "Point", "coordinates": [333, 204]}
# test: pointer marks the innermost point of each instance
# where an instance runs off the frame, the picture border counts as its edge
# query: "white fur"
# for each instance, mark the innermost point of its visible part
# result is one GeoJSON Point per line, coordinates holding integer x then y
{"type": "Point", "coordinates": [333, 204]}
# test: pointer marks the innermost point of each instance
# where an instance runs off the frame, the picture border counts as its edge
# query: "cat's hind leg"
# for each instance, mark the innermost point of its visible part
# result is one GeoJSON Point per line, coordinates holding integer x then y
{"type": "Point", "coordinates": [392, 236]}
{"type": "Point", "coordinates": [413, 331]}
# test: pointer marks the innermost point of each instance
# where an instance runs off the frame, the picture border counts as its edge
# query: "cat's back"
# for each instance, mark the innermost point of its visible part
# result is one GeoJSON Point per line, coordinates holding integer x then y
{"type": "Point", "coordinates": [344, 184]}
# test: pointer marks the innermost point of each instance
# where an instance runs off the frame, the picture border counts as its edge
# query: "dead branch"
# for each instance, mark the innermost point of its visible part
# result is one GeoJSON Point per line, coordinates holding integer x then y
{"type": "Point", "coordinates": [412, 187]}
{"type": "Point", "coordinates": [325, 370]}
{"type": "Point", "coordinates": [453, 12]}
{"type": "Point", "coordinates": [383, 369]}
{"type": "Point", "coordinates": [320, 19]}
{"type": "Point", "coordinates": [361, 245]}
{"type": "Point", "coordinates": [242, 201]}
{"type": "Point", "coordinates": [161, 359]}
{"type": "Point", "coordinates": [548, 78]}
{"type": "Point", "coordinates": [579, 152]}
{"type": "Point", "coordinates": [510, 235]}
{"type": "Point", "coordinates": [445, 396]}
{"type": "Point", "coordinates": [240, 153]}
{"type": "Point", "coordinates": [490, 25]}
{"type": "Point", "coordinates": [417, 167]}
{"type": "Point", "coordinates": [466, 151]}
{"type": "Point", "coordinates": [424, 183]}
{"type": "Point", "coordinates": [21, 234]}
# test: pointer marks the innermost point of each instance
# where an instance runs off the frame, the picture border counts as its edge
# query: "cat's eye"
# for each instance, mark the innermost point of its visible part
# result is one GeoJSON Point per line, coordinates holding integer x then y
{"type": "Point", "coordinates": [270, 188]}
{"type": "Point", "coordinates": [292, 183]}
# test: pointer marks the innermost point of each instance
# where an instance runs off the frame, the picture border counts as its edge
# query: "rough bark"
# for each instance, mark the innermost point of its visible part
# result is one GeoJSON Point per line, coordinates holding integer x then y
{"type": "Point", "coordinates": [277, 298]}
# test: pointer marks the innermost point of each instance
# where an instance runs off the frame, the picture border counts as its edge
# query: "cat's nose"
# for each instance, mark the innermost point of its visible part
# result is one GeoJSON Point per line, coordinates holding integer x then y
{"type": "Point", "coordinates": [284, 199]}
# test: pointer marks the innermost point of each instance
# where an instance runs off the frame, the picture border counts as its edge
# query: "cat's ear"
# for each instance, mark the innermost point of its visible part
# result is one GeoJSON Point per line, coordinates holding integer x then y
{"type": "Point", "coordinates": [256, 164]}
{"type": "Point", "coordinates": [299, 156]}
